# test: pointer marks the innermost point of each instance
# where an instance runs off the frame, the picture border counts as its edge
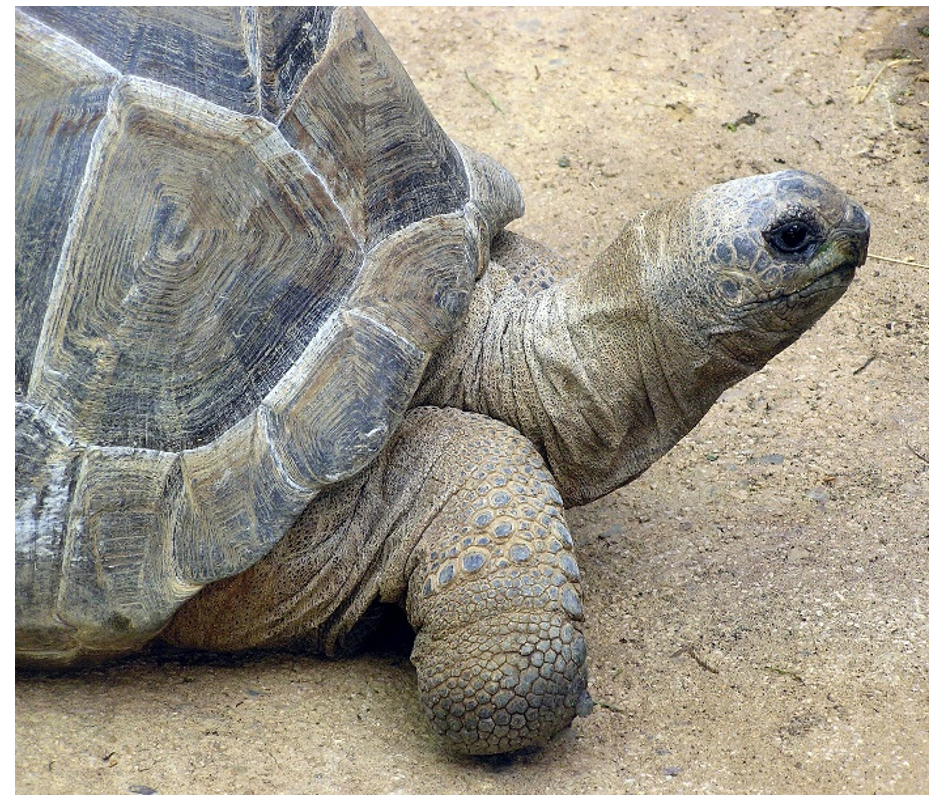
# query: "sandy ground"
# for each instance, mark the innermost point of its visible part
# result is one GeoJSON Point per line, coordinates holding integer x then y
{"type": "Point", "coordinates": [758, 602]}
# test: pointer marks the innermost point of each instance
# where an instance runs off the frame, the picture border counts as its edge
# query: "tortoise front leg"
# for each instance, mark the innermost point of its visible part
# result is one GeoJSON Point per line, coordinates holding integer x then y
{"type": "Point", "coordinates": [493, 591]}
{"type": "Point", "coordinates": [459, 520]}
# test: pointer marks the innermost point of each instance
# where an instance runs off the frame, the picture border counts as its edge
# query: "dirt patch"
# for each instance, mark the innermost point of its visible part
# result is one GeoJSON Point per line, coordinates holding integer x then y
{"type": "Point", "coordinates": [757, 603]}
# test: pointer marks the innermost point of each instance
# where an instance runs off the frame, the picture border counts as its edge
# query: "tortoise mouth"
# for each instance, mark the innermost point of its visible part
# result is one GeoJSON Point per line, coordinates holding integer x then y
{"type": "Point", "coordinates": [830, 272]}
{"type": "Point", "coordinates": [855, 249]}
{"type": "Point", "coordinates": [836, 279]}
{"type": "Point", "coordinates": [840, 276]}
{"type": "Point", "coordinates": [853, 252]}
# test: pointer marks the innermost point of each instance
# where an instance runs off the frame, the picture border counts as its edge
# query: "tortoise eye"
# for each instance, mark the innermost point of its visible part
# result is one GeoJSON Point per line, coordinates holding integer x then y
{"type": "Point", "coordinates": [791, 237]}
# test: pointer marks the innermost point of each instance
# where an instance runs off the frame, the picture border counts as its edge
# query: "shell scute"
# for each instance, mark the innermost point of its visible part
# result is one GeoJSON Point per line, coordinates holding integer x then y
{"type": "Point", "coordinates": [240, 237]}
{"type": "Point", "coordinates": [203, 257]}
{"type": "Point", "coordinates": [61, 96]}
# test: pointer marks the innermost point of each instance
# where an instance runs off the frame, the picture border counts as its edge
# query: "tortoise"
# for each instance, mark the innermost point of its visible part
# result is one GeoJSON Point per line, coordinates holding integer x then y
{"type": "Point", "coordinates": [279, 363]}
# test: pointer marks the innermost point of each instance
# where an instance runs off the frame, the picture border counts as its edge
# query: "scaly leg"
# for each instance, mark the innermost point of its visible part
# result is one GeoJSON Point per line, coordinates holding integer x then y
{"type": "Point", "coordinates": [494, 595]}
{"type": "Point", "coordinates": [459, 521]}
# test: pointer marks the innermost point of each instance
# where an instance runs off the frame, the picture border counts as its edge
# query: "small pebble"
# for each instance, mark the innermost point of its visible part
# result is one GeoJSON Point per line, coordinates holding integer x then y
{"type": "Point", "coordinates": [140, 789]}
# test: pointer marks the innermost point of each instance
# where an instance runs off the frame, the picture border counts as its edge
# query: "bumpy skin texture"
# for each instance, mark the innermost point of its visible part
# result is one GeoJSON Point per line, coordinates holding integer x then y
{"type": "Point", "coordinates": [460, 521]}
{"type": "Point", "coordinates": [605, 370]}
{"type": "Point", "coordinates": [495, 599]}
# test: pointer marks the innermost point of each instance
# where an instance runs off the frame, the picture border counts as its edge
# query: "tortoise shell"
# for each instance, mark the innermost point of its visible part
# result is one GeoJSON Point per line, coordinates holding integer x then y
{"type": "Point", "coordinates": [240, 236]}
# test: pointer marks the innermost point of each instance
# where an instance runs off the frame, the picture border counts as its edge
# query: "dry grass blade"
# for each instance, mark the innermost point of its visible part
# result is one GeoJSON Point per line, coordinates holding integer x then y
{"type": "Point", "coordinates": [880, 73]}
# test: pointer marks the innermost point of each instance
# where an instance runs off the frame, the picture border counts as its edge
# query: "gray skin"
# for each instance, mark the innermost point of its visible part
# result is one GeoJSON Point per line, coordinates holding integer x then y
{"type": "Point", "coordinates": [552, 394]}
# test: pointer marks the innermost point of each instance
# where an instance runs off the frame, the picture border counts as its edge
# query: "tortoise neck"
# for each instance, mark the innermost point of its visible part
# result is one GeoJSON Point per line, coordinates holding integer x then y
{"type": "Point", "coordinates": [584, 368]}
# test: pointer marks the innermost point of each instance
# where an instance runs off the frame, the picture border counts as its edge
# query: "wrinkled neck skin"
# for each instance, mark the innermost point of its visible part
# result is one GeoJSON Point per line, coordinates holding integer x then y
{"type": "Point", "coordinates": [596, 370]}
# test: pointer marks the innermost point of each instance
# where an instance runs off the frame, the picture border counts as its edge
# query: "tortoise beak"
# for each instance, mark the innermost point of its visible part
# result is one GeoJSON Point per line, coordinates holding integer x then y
{"type": "Point", "coordinates": [854, 233]}
{"type": "Point", "coordinates": [850, 239]}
